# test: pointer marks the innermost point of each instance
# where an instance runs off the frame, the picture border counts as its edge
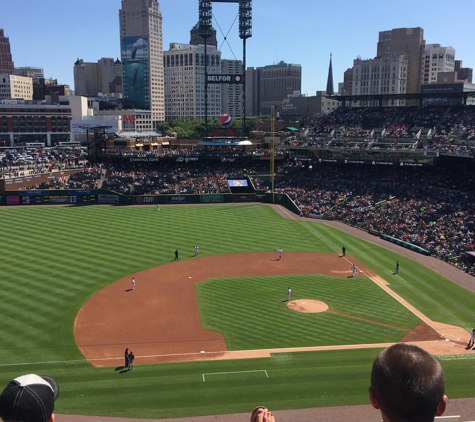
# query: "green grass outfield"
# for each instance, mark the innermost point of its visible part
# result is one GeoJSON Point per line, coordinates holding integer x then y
{"type": "Point", "coordinates": [55, 258]}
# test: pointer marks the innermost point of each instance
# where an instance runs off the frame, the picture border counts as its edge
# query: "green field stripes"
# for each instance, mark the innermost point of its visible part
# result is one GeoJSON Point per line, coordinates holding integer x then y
{"type": "Point", "coordinates": [55, 258]}
{"type": "Point", "coordinates": [251, 313]}
{"type": "Point", "coordinates": [436, 297]}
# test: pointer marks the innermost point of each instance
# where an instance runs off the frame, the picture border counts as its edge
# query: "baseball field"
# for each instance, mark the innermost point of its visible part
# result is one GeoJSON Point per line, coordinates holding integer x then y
{"type": "Point", "coordinates": [213, 333]}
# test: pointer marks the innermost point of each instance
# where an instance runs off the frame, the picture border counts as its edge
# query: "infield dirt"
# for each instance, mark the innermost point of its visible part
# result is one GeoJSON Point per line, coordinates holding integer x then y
{"type": "Point", "coordinates": [163, 320]}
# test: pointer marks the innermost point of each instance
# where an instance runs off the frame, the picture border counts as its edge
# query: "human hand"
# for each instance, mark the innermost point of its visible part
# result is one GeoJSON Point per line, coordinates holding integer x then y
{"type": "Point", "coordinates": [262, 414]}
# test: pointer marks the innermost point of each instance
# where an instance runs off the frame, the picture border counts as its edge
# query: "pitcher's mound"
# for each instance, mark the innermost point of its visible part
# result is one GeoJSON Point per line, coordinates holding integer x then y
{"type": "Point", "coordinates": [307, 306]}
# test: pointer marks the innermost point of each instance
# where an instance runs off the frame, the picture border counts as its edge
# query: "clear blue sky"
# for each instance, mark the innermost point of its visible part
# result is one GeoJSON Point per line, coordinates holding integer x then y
{"type": "Point", "coordinates": [53, 33]}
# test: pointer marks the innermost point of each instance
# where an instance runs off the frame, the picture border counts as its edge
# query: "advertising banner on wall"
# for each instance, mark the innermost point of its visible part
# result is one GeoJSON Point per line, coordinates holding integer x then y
{"type": "Point", "coordinates": [135, 67]}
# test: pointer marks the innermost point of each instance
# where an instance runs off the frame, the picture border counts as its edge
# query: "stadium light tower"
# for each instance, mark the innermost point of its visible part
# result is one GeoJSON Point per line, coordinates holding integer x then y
{"type": "Point", "coordinates": [245, 32]}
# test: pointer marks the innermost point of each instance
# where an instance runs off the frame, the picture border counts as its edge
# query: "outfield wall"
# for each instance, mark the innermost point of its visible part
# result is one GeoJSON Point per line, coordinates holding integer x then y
{"type": "Point", "coordinates": [104, 196]}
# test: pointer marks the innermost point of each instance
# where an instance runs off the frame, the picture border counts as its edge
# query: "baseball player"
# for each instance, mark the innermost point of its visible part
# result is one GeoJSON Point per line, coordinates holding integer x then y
{"type": "Point", "coordinates": [353, 270]}
{"type": "Point", "coordinates": [279, 253]}
{"type": "Point", "coordinates": [197, 250]}
{"type": "Point", "coordinates": [133, 283]}
{"type": "Point", "coordinates": [158, 207]}
{"type": "Point", "coordinates": [397, 267]}
{"type": "Point", "coordinates": [131, 360]}
{"type": "Point", "coordinates": [471, 341]}
{"type": "Point", "coordinates": [289, 294]}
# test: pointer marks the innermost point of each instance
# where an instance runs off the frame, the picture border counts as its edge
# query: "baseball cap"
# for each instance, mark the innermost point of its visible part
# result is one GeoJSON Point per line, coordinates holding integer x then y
{"type": "Point", "coordinates": [29, 398]}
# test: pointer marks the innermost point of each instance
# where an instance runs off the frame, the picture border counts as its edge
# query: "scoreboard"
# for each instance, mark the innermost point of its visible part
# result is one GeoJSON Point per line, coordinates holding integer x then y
{"type": "Point", "coordinates": [39, 197]}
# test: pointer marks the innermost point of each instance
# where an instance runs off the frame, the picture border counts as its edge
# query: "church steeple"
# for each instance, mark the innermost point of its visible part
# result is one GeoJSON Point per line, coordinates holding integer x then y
{"type": "Point", "coordinates": [330, 90]}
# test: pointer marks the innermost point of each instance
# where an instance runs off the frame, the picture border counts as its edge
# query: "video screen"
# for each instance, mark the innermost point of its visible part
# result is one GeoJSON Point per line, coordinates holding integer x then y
{"type": "Point", "coordinates": [234, 183]}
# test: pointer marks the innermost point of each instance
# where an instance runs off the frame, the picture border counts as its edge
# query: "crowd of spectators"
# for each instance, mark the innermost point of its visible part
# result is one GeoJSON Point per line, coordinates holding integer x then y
{"type": "Point", "coordinates": [449, 130]}
{"type": "Point", "coordinates": [177, 178]}
{"type": "Point", "coordinates": [431, 209]}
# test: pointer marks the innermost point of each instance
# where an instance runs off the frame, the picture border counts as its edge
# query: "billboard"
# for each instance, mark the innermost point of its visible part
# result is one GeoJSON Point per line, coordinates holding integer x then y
{"type": "Point", "coordinates": [135, 66]}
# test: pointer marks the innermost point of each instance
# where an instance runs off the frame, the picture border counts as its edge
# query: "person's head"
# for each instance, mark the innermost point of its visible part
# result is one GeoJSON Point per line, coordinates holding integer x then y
{"type": "Point", "coordinates": [29, 398]}
{"type": "Point", "coordinates": [261, 414]}
{"type": "Point", "coordinates": [407, 384]}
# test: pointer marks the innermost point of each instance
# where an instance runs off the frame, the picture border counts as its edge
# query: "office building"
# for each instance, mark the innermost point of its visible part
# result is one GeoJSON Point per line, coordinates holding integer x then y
{"type": "Point", "coordinates": [22, 122]}
{"type": "Point", "coordinates": [86, 81]}
{"type": "Point", "coordinates": [6, 60]}
{"type": "Point", "coordinates": [304, 108]}
{"type": "Point", "coordinates": [232, 93]}
{"type": "Point", "coordinates": [409, 42]}
{"type": "Point", "coordinates": [184, 69]}
{"type": "Point", "coordinates": [437, 60]}
{"type": "Point", "coordinates": [16, 87]}
{"type": "Point", "coordinates": [104, 76]}
{"type": "Point", "coordinates": [49, 87]}
{"type": "Point", "coordinates": [385, 75]}
{"type": "Point", "coordinates": [273, 84]}
{"type": "Point", "coordinates": [347, 87]}
{"type": "Point", "coordinates": [464, 74]}
{"type": "Point", "coordinates": [30, 71]}
{"type": "Point", "coordinates": [141, 44]}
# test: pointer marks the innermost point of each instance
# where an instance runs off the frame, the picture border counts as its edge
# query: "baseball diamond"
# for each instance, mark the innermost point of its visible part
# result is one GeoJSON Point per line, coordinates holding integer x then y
{"type": "Point", "coordinates": [176, 334]}
{"type": "Point", "coordinates": [70, 311]}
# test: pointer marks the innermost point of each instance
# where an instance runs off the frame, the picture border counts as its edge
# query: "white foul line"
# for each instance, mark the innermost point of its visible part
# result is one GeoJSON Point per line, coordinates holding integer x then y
{"type": "Point", "coordinates": [236, 372]}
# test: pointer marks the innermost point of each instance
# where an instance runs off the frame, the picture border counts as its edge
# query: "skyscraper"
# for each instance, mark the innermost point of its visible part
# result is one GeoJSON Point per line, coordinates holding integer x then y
{"type": "Point", "coordinates": [185, 85]}
{"type": "Point", "coordinates": [6, 61]}
{"type": "Point", "coordinates": [410, 42]}
{"type": "Point", "coordinates": [141, 45]}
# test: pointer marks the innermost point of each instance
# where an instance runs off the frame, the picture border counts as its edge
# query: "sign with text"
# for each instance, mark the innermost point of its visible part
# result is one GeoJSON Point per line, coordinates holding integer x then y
{"type": "Point", "coordinates": [225, 79]}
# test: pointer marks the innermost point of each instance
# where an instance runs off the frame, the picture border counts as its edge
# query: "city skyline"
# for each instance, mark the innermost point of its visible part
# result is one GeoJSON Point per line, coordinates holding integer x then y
{"type": "Point", "coordinates": [58, 34]}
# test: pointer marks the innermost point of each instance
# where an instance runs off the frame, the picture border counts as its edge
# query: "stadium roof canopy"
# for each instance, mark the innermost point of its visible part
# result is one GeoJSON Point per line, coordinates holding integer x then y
{"type": "Point", "coordinates": [222, 143]}
{"type": "Point", "coordinates": [137, 134]}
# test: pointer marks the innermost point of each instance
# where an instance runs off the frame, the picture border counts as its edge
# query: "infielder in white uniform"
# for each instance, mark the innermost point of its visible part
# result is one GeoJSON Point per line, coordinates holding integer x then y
{"type": "Point", "coordinates": [133, 283]}
{"type": "Point", "coordinates": [353, 270]}
{"type": "Point", "coordinates": [279, 253]}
